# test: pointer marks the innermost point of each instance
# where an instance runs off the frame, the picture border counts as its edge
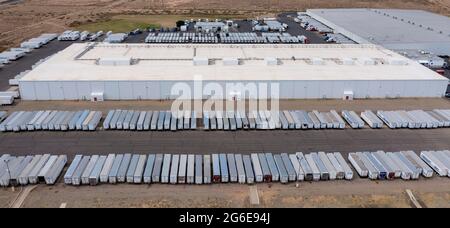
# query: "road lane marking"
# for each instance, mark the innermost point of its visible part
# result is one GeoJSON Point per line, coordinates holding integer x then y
{"type": "Point", "coordinates": [23, 196]}
{"type": "Point", "coordinates": [413, 199]}
{"type": "Point", "coordinates": [254, 197]}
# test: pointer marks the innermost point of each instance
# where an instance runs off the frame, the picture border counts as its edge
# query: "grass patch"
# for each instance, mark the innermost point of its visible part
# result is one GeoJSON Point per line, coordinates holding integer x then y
{"type": "Point", "coordinates": [126, 23]}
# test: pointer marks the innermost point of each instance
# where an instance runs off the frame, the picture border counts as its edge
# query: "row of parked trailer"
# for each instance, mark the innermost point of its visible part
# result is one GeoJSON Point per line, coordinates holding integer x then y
{"type": "Point", "coordinates": [175, 37]}
{"type": "Point", "coordinates": [384, 166]}
{"type": "Point", "coordinates": [39, 41]}
{"type": "Point", "coordinates": [224, 37]}
{"type": "Point", "coordinates": [265, 120]}
{"type": "Point", "coordinates": [439, 161]}
{"type": "Point", "coordinates": [220, 168]}
{"type": "Point", "coordinates": [24, 170]}
{"type": "Point", "coordinates": [206, 169]}
{"type": "Point", "coordinates": [87, 36]}
{"type": "Point", "coordinates": [71, 35]}
{"type": "Point", "coordinates": [415, 118]}
{"type": "Point", "coordinates": [150, 120]}
{"type": "Point", "coordinates": [241, 37]}
{"type": "Point", "coordinates": [51, 120]}
{"type": "Point", "coordinates": [115, 37]}
{"type": "Point", "coordinates": [285, 37]}
{"type": "Point", "coordinates": [221, 120]}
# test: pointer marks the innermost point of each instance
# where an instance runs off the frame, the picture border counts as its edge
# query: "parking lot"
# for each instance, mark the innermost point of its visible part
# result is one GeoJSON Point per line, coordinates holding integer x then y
{"type": "Point", "coordinates": [296, 30]}
{"type": "Point", "coordinates": [201, 142]}
{"type": "Point", "coordinates": [15, 67]}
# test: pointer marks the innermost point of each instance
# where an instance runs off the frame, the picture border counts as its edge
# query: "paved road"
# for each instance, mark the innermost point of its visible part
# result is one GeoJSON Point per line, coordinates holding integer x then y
{"type": "Point", "coordinates": [104, 142]}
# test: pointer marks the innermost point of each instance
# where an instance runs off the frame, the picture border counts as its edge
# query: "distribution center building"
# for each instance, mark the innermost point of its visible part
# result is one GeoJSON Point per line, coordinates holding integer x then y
{"type": "Point", "coordinates": [394, 29]}
{"type": "Point", "coordinates": [148, 71]}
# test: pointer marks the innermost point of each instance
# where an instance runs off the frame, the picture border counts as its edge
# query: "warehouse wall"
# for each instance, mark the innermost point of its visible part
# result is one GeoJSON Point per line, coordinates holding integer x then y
{"type": "Point", "coordinates": [155, 90]}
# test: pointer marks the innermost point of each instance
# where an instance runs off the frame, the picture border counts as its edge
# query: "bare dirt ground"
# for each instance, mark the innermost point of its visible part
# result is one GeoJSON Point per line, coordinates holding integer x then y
{"type": "Point", "coordinates": [320, 105]}
{"type": "Point", "coordinates": [432, 192]}
{"type": "Point", "coordinates": [28, 18]}
{"type": "Point", "coordinates": [7, 196]}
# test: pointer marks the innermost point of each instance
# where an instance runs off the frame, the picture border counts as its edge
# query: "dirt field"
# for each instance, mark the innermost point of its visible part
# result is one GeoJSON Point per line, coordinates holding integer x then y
{"type": "Point", "coordinates": [311, 104]}
{"type": "Point", "coordinates": [432, 192]}
{"type": "Point", "coordinates": [28, 18]}
{"type": "Point", "coordinates": [7, 196]}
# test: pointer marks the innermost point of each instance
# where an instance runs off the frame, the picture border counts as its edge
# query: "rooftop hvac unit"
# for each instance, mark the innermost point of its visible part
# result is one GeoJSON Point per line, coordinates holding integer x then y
{"type": "Point", "coordinates": [317, 61]}
{"type": "Point", "coordinates": [348, 61]}
{"type": "Point", "coordinates": [271, 61]}
{"type": "Point", "coordinates": [367, 61]}
{"type": "Point", "coordinates": [398, 62]}
{"type": "Point", "coordinates": [230, 61]}
{"type": "Point", "coordinates": [200, 61]}
{"type": "Point", "coordinates": [114, 61]}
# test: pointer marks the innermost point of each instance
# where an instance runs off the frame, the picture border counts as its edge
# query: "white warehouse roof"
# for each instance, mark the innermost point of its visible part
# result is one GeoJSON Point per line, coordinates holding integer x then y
{"type": "Point", "coordinates": [174, 62]}
{"type": "Point", "coordinates": [391, 28]}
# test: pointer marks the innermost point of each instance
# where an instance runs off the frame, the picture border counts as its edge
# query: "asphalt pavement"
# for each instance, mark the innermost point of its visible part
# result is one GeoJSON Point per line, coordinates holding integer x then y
{"type": "Point", "coordinates": [205, 142]}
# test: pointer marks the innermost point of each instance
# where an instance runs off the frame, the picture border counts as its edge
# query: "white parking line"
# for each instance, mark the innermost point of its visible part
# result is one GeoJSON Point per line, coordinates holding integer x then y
{"type": "Point", "coordinates": [254, 197]}
{"type": "Point", "coordinates": [413, 198]}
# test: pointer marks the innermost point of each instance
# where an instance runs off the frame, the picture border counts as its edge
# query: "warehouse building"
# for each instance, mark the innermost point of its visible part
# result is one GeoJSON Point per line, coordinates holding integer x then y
{"type": "Point", "coordinates": [393, 29]}
{"type": "Point", "coordinates": [149, 71]}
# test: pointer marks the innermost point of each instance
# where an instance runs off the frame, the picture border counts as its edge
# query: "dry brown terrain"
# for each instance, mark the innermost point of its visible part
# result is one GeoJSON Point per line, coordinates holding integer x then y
{"type": "Point", "coordinates": [432, 192]}
{"type": "Point", "coordinates": [23, 19]}
{"type": "Point", "coordinates": [310, 104]}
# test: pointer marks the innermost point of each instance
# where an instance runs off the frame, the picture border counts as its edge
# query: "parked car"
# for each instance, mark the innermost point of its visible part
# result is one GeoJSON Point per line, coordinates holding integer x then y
{"type": "Point", "coordinates": [135, 32]}
{"type": "Point", "coordinates": [440, 71]}
{"type": "Point", "coordinates": [447, 95]}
